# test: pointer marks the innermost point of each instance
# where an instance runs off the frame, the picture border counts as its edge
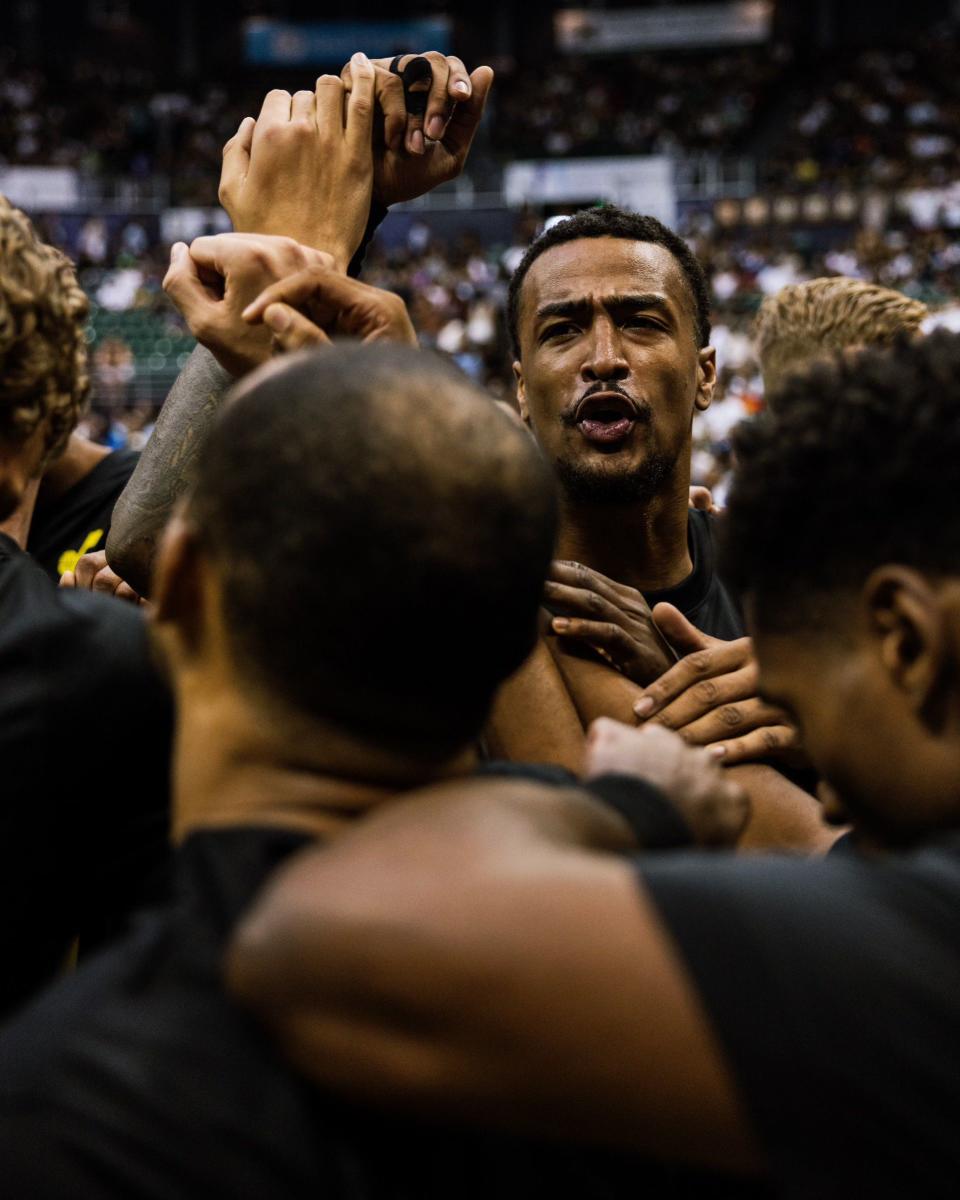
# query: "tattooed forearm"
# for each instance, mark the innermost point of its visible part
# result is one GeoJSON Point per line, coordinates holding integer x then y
{"type": "Point", "coordinates": [163, 472]}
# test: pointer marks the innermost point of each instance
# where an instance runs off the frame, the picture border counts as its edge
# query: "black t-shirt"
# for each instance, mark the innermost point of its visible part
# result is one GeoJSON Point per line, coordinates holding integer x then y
{"type": "Point", "coordinates": [78, 522]}
{"type": "Point", "coordinates": [85, 734]}
{"type": "Point", "coordinates": [702, 597]}
{"type": "Point", "coordinates": [834, 988]}
{"type": "Point", "coordinates": [139, 1078]}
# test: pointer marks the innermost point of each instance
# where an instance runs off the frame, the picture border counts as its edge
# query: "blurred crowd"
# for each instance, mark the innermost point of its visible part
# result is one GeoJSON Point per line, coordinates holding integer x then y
{"type": "Point", "coordinates": [456, 292]}
{"type": "Point", "coordinates": [884, 118]}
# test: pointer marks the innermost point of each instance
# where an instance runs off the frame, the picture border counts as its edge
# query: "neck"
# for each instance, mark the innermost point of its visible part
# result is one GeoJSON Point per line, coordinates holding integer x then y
{"type": "Point", "coordinates": [642, 545]}
{"type": "Point", "coordinates": [17, 525]}
{"type": "Point", "coordinates": [74, 464]}
{"type": "Point", "coordinates": [235, 764]}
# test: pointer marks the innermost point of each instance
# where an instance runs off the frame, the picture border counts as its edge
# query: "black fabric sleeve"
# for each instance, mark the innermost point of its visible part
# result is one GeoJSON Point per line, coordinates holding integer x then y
{"type": "Point", "coordinates": [834, 990]}
{"type": "Point", "coordinates": [376, 218]}
{"type": "Point", "coordinates": [656, 823]}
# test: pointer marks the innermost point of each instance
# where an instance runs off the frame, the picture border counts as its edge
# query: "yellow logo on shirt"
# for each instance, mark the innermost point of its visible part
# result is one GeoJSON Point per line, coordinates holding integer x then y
{"type": "Point", "coordinates": [69, 558]}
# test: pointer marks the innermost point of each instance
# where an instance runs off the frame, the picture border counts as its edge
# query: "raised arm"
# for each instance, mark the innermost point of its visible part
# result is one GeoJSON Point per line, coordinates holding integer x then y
{"type": "Point", "coordinates": [162, 474]}
{"type": "Point", "coordinates": [300, 179]}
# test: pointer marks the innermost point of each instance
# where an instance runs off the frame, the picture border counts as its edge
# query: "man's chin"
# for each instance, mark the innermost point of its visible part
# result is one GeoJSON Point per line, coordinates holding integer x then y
{"type": "Point", "coordinates": [609, 481]}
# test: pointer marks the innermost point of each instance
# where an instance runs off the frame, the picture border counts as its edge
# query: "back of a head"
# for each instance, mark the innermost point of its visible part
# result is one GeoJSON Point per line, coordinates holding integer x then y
{"type": "Point", "coordinates": [806, 320]}
{"type": "Point", "coordinates": [43, 351]}
{"type": "Point", "coordinates": [855, 469]}
{"type": "Point", "coordinates": [382, 533]}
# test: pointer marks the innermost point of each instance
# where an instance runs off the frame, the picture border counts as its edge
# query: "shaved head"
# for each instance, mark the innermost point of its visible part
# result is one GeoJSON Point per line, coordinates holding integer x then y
{"type": "Point", "coordinates": [382, 532]}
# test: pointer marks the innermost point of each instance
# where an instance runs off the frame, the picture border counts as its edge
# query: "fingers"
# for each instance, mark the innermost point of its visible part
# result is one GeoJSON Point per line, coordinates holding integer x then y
{"type": "Point", "coordinates": [766, 742]}
{"type": "Point", "coordinates": [303, 107]}
{"type": "Point", "coordinates": [275, 110]}
{"type": "Point", "coordinates": [329, 94]}
{"type": "Point", "coordinates": [87, 567]}
{"type": "Point", "coordinates": [388, 98]}
{"type": "Point", "coordinates": [313, 283]}
{"type": "Point", "coordinates": [583, 601]}
{"type": "Point", "coordinates": [360, 104]}
{"type": "Point", "coordinates": [605, 634]}
{"type": "Point", "coordinates": [463, 125]}
{"type": "Point", "coordinates": [720, 658]}
{"type": "Point", "coordinates": [576, 575]}
{"type": "Point", "coordinates": [183, 285]}
{"type": "Point", "coordinates": [292, 330]}
{"type": "Point", "coordinates": [707, 695]}
{"type": "Point", "coordinates": [439, 105]}
{"type": "Point", "coordinates": [729, 721]}
{"type": "Point", "coordinates": [236, 161]}
{"type": "Point", "coordinates": [92, 574]}
{"type": "Point", "coordinates": [679, 632]}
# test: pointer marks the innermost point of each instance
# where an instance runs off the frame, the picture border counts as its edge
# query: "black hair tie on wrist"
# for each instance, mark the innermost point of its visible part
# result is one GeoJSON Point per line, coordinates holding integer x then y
{"type": "Point", "coordinates": [416, 71]}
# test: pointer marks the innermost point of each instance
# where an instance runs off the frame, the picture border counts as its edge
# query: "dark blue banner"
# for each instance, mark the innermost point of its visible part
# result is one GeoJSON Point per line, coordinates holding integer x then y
{"type": "Point", "coordinates": [282, 43]}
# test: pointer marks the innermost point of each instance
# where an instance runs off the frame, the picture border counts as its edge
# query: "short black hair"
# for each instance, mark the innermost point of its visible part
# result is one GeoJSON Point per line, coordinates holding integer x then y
{"type": "Point", "coordinates": [857, 469]}
{"type": "Point", "coordinates": [613, 222]}
{"type": "Point", "coordinates": [382, 532]}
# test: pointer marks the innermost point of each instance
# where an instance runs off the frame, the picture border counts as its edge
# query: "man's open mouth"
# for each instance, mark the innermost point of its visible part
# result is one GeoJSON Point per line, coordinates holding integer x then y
{"type": "Point", "coordinates": [605, 417]}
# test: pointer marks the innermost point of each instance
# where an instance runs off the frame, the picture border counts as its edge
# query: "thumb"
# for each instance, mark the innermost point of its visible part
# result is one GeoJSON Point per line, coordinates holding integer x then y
{"type": "Point", "coordinates": [682, 636]}
{"type": "Point", "coordinates": [185, 288]}
{"type": "Point", "coordinates": [292, 330]}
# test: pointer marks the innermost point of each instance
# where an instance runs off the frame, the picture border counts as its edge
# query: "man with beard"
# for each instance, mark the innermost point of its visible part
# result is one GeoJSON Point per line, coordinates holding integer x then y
{"type": "Point", "coordinates": [609, 319]}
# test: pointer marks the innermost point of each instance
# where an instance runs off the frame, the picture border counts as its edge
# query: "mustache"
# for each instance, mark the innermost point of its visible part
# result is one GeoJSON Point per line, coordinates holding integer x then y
{"type": "Point", "coordinates": [641, 407]}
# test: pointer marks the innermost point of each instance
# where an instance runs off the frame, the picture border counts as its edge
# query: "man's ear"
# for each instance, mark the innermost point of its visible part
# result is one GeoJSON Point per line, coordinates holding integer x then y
{"type": "Point", "coordinates": [706, 377]}
{"type": "Point", "coordinates": [177, 591]}
{"type": "Point", "coordinates": [906, 618]}
{"type": "Point", "coordinates": [521, 393]}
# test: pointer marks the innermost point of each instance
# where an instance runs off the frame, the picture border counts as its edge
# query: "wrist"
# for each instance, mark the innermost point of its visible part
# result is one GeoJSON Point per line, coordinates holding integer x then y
{"type": "Point", "coordinates": [655, 821]}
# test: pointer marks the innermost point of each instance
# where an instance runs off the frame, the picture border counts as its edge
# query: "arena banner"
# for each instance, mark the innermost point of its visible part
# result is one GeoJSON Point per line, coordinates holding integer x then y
{"type": "Point", "coordinates": [287, 43]}
{"type": "Point", "coordinates": [590, 31]}
{"type": "Point", "coordinates": [642, 183]}
{"type": "Point", "coordinates": [40, 188]}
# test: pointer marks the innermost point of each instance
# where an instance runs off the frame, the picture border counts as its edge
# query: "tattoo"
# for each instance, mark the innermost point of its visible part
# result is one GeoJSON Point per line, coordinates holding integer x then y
{"type": "Point", "coordinates": [163, 472]}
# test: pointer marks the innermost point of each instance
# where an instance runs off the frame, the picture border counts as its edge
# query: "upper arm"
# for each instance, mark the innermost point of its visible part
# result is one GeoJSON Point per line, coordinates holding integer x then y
{"type": "Point", "coordinates": [596, 688]}
{"type": "Point", "coordinates": [527, 986]}
{"type": "Point", "coordinates": [162, 473]}
{"type": "Point", "coordinates": [534, 718]}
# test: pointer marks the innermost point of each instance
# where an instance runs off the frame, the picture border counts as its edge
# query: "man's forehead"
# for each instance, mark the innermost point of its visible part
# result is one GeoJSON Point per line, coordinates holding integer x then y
{"type": "Point", "coordinates": [591, 268]}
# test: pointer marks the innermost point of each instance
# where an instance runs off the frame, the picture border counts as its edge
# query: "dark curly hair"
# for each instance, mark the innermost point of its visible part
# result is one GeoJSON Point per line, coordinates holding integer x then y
{"type": "Point", "coordinates": [43, 352]}
{"type": "Point", "coordinates": [857, 468]}
{"type": "Point", "coordinates": [613, 222]}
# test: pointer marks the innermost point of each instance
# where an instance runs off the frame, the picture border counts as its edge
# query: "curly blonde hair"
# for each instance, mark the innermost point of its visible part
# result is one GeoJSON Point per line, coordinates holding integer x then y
{"type": "Point", "coordinates": [806, 320]}
{"type": "Point", "coordinates": [44, 379]}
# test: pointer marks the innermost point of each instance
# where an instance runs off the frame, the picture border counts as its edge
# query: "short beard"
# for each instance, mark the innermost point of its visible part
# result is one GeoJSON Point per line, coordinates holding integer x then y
{"type": "Point", "coordinates": [587, 485]}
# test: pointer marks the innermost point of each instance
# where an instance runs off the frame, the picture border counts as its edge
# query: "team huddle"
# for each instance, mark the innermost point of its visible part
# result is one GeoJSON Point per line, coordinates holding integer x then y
{"type": "Point", "coordinates": [415, 795]}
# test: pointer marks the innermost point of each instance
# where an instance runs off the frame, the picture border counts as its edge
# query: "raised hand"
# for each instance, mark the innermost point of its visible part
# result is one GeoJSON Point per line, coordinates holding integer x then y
{"type": "Point", "coordinates": [710, 696]}
{"type": "Point", "coordinates": [415, 153]}
{"type": "Point", "coordinates": [304, 168]}
{"type": "Point", "coordinates": [712, 804]}
{"type": "Point", "coordinates": [214, 280]}
{"type": "Point", "coordinates": [608, 616]}
{"type": "Point", "coordinates": [307, 308]}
